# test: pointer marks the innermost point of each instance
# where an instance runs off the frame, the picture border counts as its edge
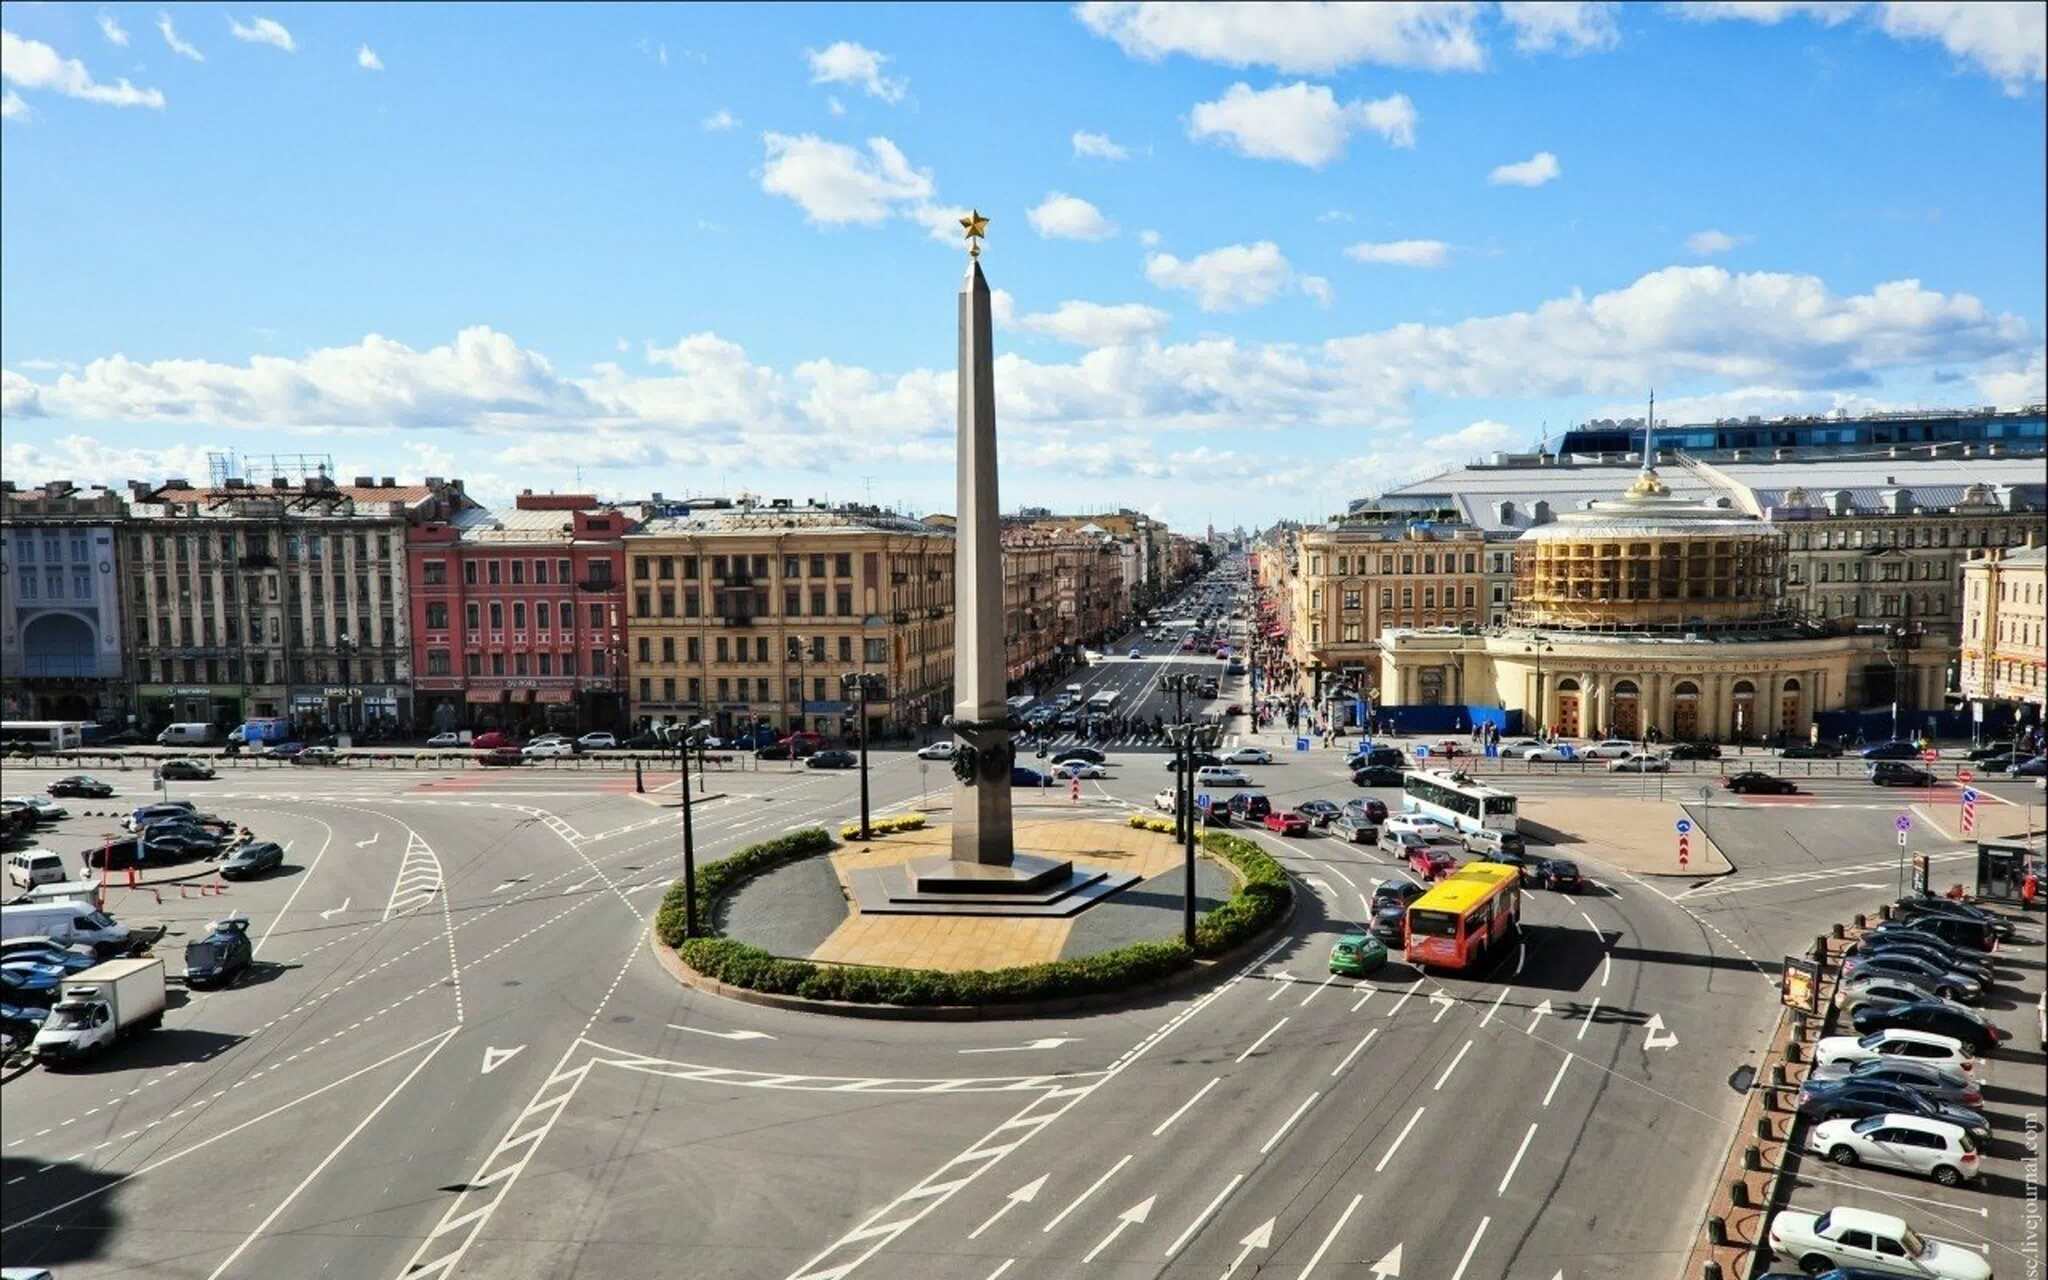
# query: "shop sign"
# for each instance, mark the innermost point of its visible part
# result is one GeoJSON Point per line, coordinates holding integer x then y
{"type": "Point", "coordinates": [191, 691]}
{"type": "Point", "coordinates": [1799, 985]}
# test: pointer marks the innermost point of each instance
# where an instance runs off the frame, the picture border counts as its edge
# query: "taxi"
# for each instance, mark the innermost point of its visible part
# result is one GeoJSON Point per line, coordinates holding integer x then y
{"type": "Point", "coordinates": [1357, 954]}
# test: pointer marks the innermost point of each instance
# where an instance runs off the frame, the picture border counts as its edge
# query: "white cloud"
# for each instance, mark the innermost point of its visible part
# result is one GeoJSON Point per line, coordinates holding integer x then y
{"type": "Point", "coordinates": [835, 106]}
{"type": "Point", "coordinates": [719, 121]}
{"type": "Point", "coordinates": [2017, 384]}
{"type": "Point", "coordinates": [1063, 217]}
{"type": "Point", "coordinates": [1400, 253]}
{"type": "Point", "coordinates": [1002, 307]}
{"type": "Point", "coordinates": [33, 65]}
{"type": "Point", "coordinates": [833, 183]}
{"type": "Point", "coordinates": [101, 463]}
{"type": "Point", "coordinates": [1149, 238]}
{"type": "Point", "coordinates": [1318, 290]}
{"type": "Point", "coordinates": [1482, 436]}
{"type": "Point", "coordinates": [1232, 278]}
{"type": "Point", "coordinates": [1334, 215]}
{"type": "Point", "coordinates": [1098, 146]}
{"type": "Point", "coordinates": [1300, 122]}
{"type": "Point", "coordinates": [263, 31]}
{"type": "Point", "coordinates": [1093, 324]}
{"type": "Point", "coordinates": [2005, 39]}
{"type": "Point", "coordinates": [1571, 25]}
{"type": "Point", "coordinates": [1305, 39]}
{"type": "Point", "coordinates": [172, 39]}
{"type": "Point", "coordinates": [1533, 172]}
{"type": "Point", "coordinates": [845, 62]}
{"type": "Point", "coordinates": [113, 30]}
{"type": "Point", "coordinates": [1704, 244]}
{"type": "Point", "coordinates": [367, 59]}
{"type": "Point", "coordinates": [13, 107]}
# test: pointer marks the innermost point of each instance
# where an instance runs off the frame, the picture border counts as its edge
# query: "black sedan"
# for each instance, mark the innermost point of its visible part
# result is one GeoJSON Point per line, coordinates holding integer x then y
{"type": "Point", "coordinates": [254, 858]}
{"type": "Point", "coordinates": [1944, 1084]}
{"type": "Point", "coordinates": [1526, 864]}
{"type": "Point", "coordinates": [1197, 760]}
{"type": "Point", "coordinates": [1693, 751]}
{"type": "Point", "coordinates": [80, 785]}
{"type": "Point", "coordinates": [1894, 773]}
{"type": "Point", "coordinates": [1936, 1017]}
{"type": "Point", "coordinates": [1089, 754]}
{"type": "Point", "coordinates": [1754, 783]}
{"type": "Point", "coordinates": [1371, 808]}
{"type": "Point", "coordinates": [1399, 890]}
{"type": "Point", "coordinates": [1937, 952]}
{"type": "Point", "coordinates": [1897, 749]}
{"type": "Point", "coordinates": [1821, 1100]}
{"type": "Point", "coordinates": [832, 759]}
{"type": "Point", "coordinates": [1825, 749]}
{"type": "Point", "coordinates": [1992, 750]}
{"type": "Point", "coordinates": [1560, 874]}
{"type": "Point", "coordinates": [1376, 775]}
{"type": "Point", "coordinates": [1914, 907]}
{"type": "Point", "coordinates": [1320, 812]}
{"type": "Point", "coordinates": [184, 771]}
{"type": "Point", "coordinates": [214, 960]}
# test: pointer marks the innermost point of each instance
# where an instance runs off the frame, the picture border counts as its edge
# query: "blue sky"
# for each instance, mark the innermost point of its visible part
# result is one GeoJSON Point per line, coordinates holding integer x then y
{"type": "Point", "coordinates": [1251, 262]}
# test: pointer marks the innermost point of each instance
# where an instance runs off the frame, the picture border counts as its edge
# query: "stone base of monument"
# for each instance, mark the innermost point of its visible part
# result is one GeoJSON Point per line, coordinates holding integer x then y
{"type": "Point", "coordinates": [1030, 885]}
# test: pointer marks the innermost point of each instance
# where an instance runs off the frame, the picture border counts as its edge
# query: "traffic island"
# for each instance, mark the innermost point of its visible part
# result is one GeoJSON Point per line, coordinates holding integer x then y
{"type": "Point", "coordinates": [942, 967]}
{"type": "Point", "coordinates": [1636, 835]}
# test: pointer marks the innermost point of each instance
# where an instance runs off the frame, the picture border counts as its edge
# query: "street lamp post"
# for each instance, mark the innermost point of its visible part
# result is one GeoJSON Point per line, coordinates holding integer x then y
{"type": "Point", "coordinates": [796, 651]}
{"type": "Point", "coordinates": [1539, 645]}
{"type": "Point", "coordinates": [862, 684]}
{"type": "Point", "coordinates": [687, 738]}
{"type": "Point", "coordinates": [346, 647]}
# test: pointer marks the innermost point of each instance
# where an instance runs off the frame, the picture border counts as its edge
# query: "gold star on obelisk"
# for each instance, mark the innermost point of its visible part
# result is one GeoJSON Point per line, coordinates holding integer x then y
{"type": "Point", "coordinates": [976, 227]}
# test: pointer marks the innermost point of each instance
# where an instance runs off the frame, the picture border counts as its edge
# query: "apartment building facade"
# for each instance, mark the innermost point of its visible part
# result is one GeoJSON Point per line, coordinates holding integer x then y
{"type": "Point", "coordinates": [61, 651]}
{"type": "Point", "coordinates": [2005, 626]}
{"type": "Point", "coordinates": [1030, 605]}
{"type": "Point", "coordinates": [750, 614]}
{"type": "Point", "coordinates": [518, 617]}
{"type": "Point", "coordinates": [1356, 577]}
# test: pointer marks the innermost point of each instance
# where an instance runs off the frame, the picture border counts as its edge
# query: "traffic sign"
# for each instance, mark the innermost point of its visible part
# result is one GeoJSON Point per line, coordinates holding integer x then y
{"type": "Point", "coordinates": [1969, 819]}
{"type": "Point", "coordinates": [1301, 744]}
{"type": "Point", "coordinates": [1902, 837]}
{"type": "Point", "coordinates": [1964, 775]}
{"type": "Point", "coordinates": [1421, 752]}
{"type": "Point", "coordinates": [1684, 851]}
{"type": "Point", "coordinates": [1969, 795]}
{"type": "Point", "coordinates": [1904, 823]}
{"type": "Point", "coordinates": [1930, 755]}
{"type": "Point", "coordinates": [1202, 800]}
{"type": "Point", "coordinates": [1684, 826]}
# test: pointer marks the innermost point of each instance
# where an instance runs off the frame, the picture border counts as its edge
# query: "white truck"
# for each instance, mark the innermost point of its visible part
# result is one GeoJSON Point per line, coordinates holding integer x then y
{"type": "Point", "coordinates": [99, 1006]}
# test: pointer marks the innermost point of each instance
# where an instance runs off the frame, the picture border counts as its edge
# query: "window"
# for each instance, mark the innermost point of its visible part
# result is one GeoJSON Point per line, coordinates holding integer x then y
{"type": "Point", "coordinates": [724, 688]}
{"type": "Point", "coordinates": [641, 568]}
{"type": "Point", "coordinates": [842, 601]}
{"type": "Point", "coordinates": [518, 613]}
{"type": "Point", "coordinates": [519, 663]}
{"type": "Point", "coordinates": [791, 567]}
{"type": "Point", "coordinates": [568, 663]}
{"type": "Point", "coordinates": [519, 573]}
{"type": "Point", "coordinates": [1386, 597]}
{"type": "Point", "coordinates": [597, 662]}
{"type": "Point", "coordinates": [641, 604]}
{"type": "Point", "coordinates": [497, 664]}
{"type": "Point", "coordinates": [690, 571]}
{"type": "Point", "coordinates": [470, 615]}
{"type": "Point", "coordinates": [543, 612]}
{"type": "Point", "coordinates": [693, 649]}
{"type": "Point", "coordinates": [1407, 597]}
{"type": "Point", "coordinates": [647, 690]}
{"type": "Point", "coordinates": [723, 649]}
{"type": "Point", "coordinates": [540, 571]}
{"type": "Point", "coordinates": [1351, 598]}
{"type": "Point", "coordinates": [668, 603]}
{"type": "Point", "coordinates": [646, 649]}
{"type": "Point", "coordinates": [1351, 633]}
{"type": "Point", "coordinates": [434, 573]}
{"type": "Point", "coordinates": [665, 568]}
{"type": "Point", "coordinates": [497, 616]}
{"type": "Point", "coordinates": [437, 615]}
{"type": "Point", "coordinates": [817, 566]}
{"type": "Point", "coordinates": [874, 650]}
{"type": "Point", "coordinates": [846, 648]}
{"type": "Point", "coordinates": [473, 664]}
{"type": "Point", "coordinates": [696, 689]}
{"type": "Point", "coordinates": [842, 564]}
{"type": "Point", "coordinates": [492, 569]}
{"type": "Point", "coordinates": [668, 650]}
{"type": "Point", "coordinates": [668, 688]}
{"type": "Point", "coordinates": [792, 602]}
{"type": "Point", "coordinates": [562, 571]}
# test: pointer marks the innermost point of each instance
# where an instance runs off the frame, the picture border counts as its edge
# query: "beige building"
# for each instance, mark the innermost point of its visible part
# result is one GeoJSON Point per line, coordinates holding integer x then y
{"type": "Point", "coordinates": [1652, 611]}
{"type": "Point", "coordinates": [750, 614]}
{"type": "Point", "coordinates": [1030, 605]}
{"type": "Point", "coordinates": [2003, 631]}
{"type": "Point", "coordinates": [1356, 577]}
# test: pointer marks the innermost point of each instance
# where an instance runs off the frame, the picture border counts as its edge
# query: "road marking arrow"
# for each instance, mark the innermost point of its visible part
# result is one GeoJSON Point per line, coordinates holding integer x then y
{"type": "Point", "coordinates": [1390, 1264]}
{"type": "Point", "coordinates": [1442, 1000]}
{"type": "Point", "coordinates": [332, 911]}
{"type": "Point", "coordinates": [722, 1035]}
{"type": "Point", "coordinates": [1137, 1213]}
{"type": "Point", "coordinates": [1047, 1042]}
{"type": "Point", "coordinates": [1537, 1016]}
{"type": "Point", "coordinates": [509, 883]}
{"type": "Point", "coordinates": [495, 1058]}
{"type": "Point", "coordinates": [364, 844]}
{"type": "Point", "coordinates": [574, 887]}
{"type": "Point", "coordinates": [1651, 1037]}
{"type": "Point", "coordinates": [1022, 1195]}
{"type": "Point", "coordinates": [1281, 981]}
{"type": "Point", "coordinates": [1262, 1238]}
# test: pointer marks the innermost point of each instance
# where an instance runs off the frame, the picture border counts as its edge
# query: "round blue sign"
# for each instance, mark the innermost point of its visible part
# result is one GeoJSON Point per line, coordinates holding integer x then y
{"type": "Point", "coordinates": [1685, 826]}
{"type": "Point", "coordinates": [1903, 823]}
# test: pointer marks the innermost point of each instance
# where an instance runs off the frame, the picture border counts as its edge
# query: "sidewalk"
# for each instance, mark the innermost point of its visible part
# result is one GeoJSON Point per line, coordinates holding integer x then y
{"type": "Point", "coordinates": [1631, 833]}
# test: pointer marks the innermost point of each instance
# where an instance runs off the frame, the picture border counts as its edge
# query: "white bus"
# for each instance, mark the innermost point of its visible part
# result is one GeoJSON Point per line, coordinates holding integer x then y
{"type": "Point", "coordinates": [1456, 800]}
{"type": "Point", "coordinates": [1103, 703]}
{"type": "Point", "coordinates": [42, 736]}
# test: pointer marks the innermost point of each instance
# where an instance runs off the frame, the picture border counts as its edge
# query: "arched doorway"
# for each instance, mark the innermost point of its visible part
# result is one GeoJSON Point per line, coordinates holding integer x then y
{"type": "Point", "coordinates": [58, 644]}
{"type": "Point", "coordinates": [1567, 708]}
{"type": "Point", "coordinates": [1743, 722]}
{"type": "Point", "coordinates": [1788, 707]}
{"type": "Point", "coordinates": [1625, 720]}
{"type": "Point", "coordinates": [1685, 711]}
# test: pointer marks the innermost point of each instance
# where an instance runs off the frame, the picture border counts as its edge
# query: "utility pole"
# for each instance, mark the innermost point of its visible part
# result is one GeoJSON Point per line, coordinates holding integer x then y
{"type": "Point", "coordinates": [862, 683]}
{"type": "Point", "coordinates": [684, 740]}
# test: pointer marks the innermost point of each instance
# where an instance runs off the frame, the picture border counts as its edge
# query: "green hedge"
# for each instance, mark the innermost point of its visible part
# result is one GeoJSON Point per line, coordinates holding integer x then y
{"type": "Point", "coordinates": [720, 878]}
{"type": "Point", "coordinates": [1263, 897]}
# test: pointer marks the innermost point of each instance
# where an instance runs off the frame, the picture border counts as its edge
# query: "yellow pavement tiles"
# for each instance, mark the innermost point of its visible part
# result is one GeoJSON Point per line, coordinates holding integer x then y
{"type": "Point", "coordinates": [1634, 834]}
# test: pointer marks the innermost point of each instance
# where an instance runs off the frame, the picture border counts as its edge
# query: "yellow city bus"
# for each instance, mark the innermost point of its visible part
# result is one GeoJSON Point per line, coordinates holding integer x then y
{"type": "Point", "coordinates": [1459, 922]}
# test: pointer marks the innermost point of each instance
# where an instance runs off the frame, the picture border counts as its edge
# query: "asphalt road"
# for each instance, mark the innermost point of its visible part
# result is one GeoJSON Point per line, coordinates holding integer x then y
{"type": "Point", "coordinates": [458, 1056]}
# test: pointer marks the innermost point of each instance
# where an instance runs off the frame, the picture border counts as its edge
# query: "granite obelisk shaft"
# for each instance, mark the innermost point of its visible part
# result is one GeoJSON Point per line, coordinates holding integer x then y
{"type": "Point", "coordinates": [981, 813]}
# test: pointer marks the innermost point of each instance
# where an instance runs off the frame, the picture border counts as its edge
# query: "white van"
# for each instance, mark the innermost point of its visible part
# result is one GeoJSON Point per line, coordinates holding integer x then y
{"type": "Point", "coordinates": [66, 924]}
{"type": "Point", "coordinates": [189, 733]}
{"type": "Point", "coordinates": [86, 891]}
{"type": "Point", "coordinates": [27, 868]}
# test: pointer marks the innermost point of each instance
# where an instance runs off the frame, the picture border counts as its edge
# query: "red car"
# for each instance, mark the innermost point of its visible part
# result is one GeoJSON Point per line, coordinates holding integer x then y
{"type": "Point", "coordinates": [1432, 864]}
{"type": "Point", "coordinates": [494, 738]}
{"type": "Point", "coordinates": [502, 756]}
{"type": "Point", "coordinates": [1287, 822]}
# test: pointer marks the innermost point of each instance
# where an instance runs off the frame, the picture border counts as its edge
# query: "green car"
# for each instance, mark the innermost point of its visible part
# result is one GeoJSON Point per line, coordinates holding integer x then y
{"type": "Point", "coordinates": [1357, 954]}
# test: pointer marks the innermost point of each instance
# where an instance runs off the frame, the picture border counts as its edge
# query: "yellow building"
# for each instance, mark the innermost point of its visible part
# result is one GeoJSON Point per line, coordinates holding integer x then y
{"type": "Point", "coordinates": [2003, 632]}
{"type": "Point", "coordinates": [750, 614]}
{"type": "Point", "coordinates": [1356, 577]}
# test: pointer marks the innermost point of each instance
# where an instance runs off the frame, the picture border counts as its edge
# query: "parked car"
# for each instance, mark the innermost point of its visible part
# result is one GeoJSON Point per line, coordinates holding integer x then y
{"type": "Point", "coordinates": [1922, 971]}
{"type": "Point", "coordinates": [1218, 775]}
{"type": "Point", "coordinates": [1287, 822]}
{"type": "Point", "coordinates": [1897, 773]}
{"type": "Point", "coordinates": [1881, 989]}
{"type": "Point", "coordinates": [1561, 874]}
{"type": "Point", "coordinates": [1862, 1238]}
{"type": "Point", "coordinates": [938, 750]}
{"type": "Point", "coordinates": [1989, 750]}
{"type": "Point", "coordinates": [1896, 749]}
{"type": "Point", "coordinates": [42, 808]}
{"type": "Point", "coordinates": [498, 756]}
{"type": "Point", "coordinates": [832, 758]}
{"type": "Point", "coordinates": [1937, 1017]}
{"type": "Point", "coordinates": [1935, 1081]}
{"type": "Point", "coordinates": [1320, 812]}
{"type": "Point", "coordinates": [1894, 1042]}
{"type": "Point", "coordinates": [1845, 1099]}
{"type": "Point", "coordinates": [1376, 775]}
{"type": "Point", "coordinates": [1754, 783]}
{"type": "Point", "coordinates": [82, 786]}
{"type": "Point", "coordinates": [182, 770]}
{"type": "Point", "coordinates": [2032, 768]}
{"type": "Point", "coordinates": [1964, 935]}
{"type": "Point", "coordinates": [1355, 828]}
{"type": "Point", "coordinates": [225, 951]}
{"type": "Point", "coordinates": [253, 858]}
{"type": "Point", "coordinates": [1893, 1140]}
{"type": "Point", "coordinates": [1639, 762]}
{"type": "Point", "coordinates": [1166, 800]}
{"type": "Point", "coordinates": [157, 812]}
{"type": "Point", "coordinates": [1088, 754]}
{"type": "Point", "coordinates": [1608, 749]}
{"type": "Point", "coordinates": [1247, 755]}
{"type": "Point", "coordinates": [1823, 749]}
{"type": "Point", "coordinates": [1916, 905]}
{"type": "Point", "coordinates": [1357, 954]}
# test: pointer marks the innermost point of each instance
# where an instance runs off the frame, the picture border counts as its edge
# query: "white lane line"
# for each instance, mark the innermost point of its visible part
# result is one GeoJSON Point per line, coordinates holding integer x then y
{"type": "Point", "coordinates": [1007, 1264]}
{"type": "Point", "coordinates": [1406, 996]}
{"type": "Point", "coordinates": [1589, 922]}
{"type": "Point", "coordinates": [1589, 1018]}
{"type": "Point", "coordinates": [1324, 1247]}
{"type": "Point", "coordinates": [1282, 981]}
{"type": "Point", "coordinates": [1167, 1123]}
{"type": "Point", "coordinates": [1556, 1079]}
{"type": "Point", "coordinates": [1077, 1201]}
{"type": "Point", "coordinates": [1465, 1048]}
{"type": "Point", "coordinates": [304, 880]}
{"type": "Point", "coordinates": [1318, 991]}
{"type": "Point", "coordinates": [1180, 1241]}
{"type": "Point", "coordinates": [1398, 1140]}
{"type": "Point", "coordinates": [1515, 1163]}
{"type": "Point", "coordinates": [1288, 1123]}
{"type": "Point", "coordinates": [1494, 1007]}
{"type": "Point", "coordinates": [1261, 1040]}
{"type": "Point", "coordinates": [1355, 1051]}
{"type": "Point", "coordinates": [1362, 999]}
{"type": "Point", "coordinates": [1465, 1261]}
{"type": "Point", "coordinates": [1606, 969]}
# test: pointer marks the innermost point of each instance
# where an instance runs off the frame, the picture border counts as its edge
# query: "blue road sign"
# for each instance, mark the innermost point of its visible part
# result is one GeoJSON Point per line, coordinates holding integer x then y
{"type": "Point", "coordinates": [1903, 822]}
{"type": "Point", "coordinates": [1301, 744]}
{"type": "Point", "coordinates": [1421, 753]}
{"type": "Point", "coordinates": [1969, 795]}
{"type": "Point", "coordinates": [1685, 826]}
{"type": "Point", "coordinates": [1202, 800]}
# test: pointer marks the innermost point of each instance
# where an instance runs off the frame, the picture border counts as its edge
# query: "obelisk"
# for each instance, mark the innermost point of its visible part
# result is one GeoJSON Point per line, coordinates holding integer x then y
{"type": "Point", "coordinates": [981, 809]}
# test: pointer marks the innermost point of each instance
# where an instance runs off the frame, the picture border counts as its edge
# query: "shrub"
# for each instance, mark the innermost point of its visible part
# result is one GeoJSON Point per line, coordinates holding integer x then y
{"type": "Point", "coordinates": [720, 878]}
{"type": "Point", "coordinates": [741, 965]}
{"type": "Point", "coordinates": [1264, 895]}
{"type": "Point", "coordinates": [1147, 822]}
{"type": "Point", "coordinates": [884, 826]}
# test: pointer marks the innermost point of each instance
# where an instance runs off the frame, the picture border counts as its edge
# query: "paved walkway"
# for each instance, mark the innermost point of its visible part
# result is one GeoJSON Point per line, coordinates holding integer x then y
{"type": "Point", "coordinates": [1633, 834]}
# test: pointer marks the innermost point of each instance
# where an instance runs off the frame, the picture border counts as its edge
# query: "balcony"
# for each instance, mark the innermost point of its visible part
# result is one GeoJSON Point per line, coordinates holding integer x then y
{"type": "Point", "coordinates": [935, 611]}
{"type": "Point", "coordinates": [599, 585]}
{"type": "Point", "coordinates": [899, 577]}
{"type": "Point", "coordinates": [900, 617]}
{"type": "Point", "coordinates": [738, 619]}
